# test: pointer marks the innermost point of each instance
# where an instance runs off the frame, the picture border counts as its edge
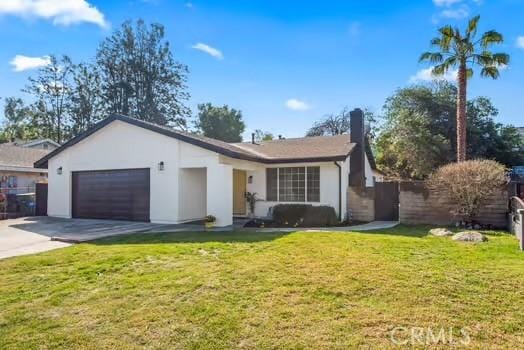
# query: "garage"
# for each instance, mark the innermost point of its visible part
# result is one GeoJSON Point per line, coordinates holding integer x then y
{"type": "Point", "coordinates": [111, 194]}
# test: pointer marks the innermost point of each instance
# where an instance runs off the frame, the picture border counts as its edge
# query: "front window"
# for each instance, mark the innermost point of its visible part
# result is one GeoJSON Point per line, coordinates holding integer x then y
{"type": "Point", "coordinates": [293, 184]}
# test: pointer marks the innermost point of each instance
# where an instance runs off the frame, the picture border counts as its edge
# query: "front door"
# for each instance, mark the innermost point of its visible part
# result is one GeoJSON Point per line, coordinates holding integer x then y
{"type": "Point", "coordinates": [239, 191]}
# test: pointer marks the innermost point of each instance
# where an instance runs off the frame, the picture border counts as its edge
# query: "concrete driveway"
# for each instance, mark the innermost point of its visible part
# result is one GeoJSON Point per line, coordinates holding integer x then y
{"type": "Point", "coordinates": [38, 234]}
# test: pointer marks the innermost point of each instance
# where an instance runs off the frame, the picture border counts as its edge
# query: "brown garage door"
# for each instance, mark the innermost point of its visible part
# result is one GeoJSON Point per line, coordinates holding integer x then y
{"type": "Point", "coordinates": [111, 194]}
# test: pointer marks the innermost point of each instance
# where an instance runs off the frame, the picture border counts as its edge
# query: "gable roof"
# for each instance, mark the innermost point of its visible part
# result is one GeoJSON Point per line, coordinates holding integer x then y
{"type": "Point", "coordinates": [316, 147]}
{"type": "Point", "coordinates": [20, 157]}
{"type": "Point", "coordinates": [306, 149]}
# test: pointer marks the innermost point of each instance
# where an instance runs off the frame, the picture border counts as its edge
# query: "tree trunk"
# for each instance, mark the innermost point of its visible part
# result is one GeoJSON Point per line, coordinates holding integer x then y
{"type": "Point", "coordinates": [461, 114]}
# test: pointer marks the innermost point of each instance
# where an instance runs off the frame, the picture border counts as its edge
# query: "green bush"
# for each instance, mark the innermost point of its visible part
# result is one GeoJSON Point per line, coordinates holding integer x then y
{"type": "Point", "coordinates": [304, 215]}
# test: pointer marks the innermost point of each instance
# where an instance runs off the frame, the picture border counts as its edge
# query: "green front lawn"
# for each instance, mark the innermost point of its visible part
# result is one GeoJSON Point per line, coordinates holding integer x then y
{"type": "Point", "coordinates": [263, 290]}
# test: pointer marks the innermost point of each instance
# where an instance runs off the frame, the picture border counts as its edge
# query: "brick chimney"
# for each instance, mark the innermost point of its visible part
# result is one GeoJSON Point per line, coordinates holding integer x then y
{"type": "Point", "coordinates": [357, 175]}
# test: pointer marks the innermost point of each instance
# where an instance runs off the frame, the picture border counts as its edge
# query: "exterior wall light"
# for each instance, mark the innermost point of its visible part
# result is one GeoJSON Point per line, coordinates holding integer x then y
{"type": "Point", "coordinates": [161, 166]}
{"type": "Point", "coordinates": [250, 179]}
{"type": "Point", "coordinates": [59, 170]}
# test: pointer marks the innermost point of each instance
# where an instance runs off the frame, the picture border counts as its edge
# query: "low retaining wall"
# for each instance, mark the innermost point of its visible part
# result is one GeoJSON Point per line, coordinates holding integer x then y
{"type": "Point", "coordinates": [420, 205]}
{"type": "Point", "coordinates": [361, 203]}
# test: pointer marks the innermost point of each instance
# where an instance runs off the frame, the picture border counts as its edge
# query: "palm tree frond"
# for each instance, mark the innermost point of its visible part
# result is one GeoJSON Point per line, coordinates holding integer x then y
{"type": "Point", "coordinates": [491, 37]}
{"type": "Point", "coordinates": [433, 57]}
{"type": "Point", "coordinates": [472, 26]}
{"type": "Point", "coordinates": [501, 58]}
{"type": "Point", "coordinates": [440, 69]}
{"type": "Point", "coordinates": [469, 73]}
{"type": "Point", "coordinates": [436, 42]}
{"type": "Point", "coordinates": [490, 72]}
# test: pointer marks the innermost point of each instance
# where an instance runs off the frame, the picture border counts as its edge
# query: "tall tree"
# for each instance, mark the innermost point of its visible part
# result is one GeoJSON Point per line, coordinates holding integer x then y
{"type": "Point", "coordinates": [86, 100]}
{"type": "Point", "coordinates": [52, 89]}
{"type": "Point", "coordinates": [418, 133]}
{"type": "Point", "coordinates": [140, 77]}
{"type": "Point", "coordinates": [221, 123]}
{"type": "Point", "coordinates": [17, 121]}
{"type": "Point", "coordinates": [463, 51]}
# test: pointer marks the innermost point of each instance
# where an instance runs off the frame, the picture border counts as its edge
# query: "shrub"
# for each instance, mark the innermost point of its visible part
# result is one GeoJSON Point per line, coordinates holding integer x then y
{"type": "Point", "coordinates": [304, 215]}
{"type": "Point", "coordinates": [210, 218]}
{"type": "Point", "coordinates": [469, 184]}
{"type": "Point", "coordinates": [323, 215]}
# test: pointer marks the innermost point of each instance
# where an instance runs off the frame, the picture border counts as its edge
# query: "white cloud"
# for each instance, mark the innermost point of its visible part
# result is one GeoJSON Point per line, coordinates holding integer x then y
{"type": "Point", "coordinates": [189, 5]}
{"type": "Point", "coordinates": [297, 105]}
{"type": "Point", "coordinates": [445, 2]}
{"type": "Point", "coordinates": [458, 13]}
{"type": "Point", "coordinates": [21, 63]}
{"type": "Point", "coordinates": [63, 12]}
{"type": "Point", "coordinates": [427, 75]}
{"type": "Point", "coordinates": [209, 50]}
{"type": "Point", "coordinates": [520, 42]}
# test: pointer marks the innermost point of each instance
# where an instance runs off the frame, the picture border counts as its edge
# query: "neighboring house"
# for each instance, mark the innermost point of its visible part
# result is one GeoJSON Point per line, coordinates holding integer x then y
{"type": "Point", "coordinates": [17, 174]}
{"type": "Point", "coordinates": [124, 168]}
{"type": "Point", "coordinates": [46, 144]}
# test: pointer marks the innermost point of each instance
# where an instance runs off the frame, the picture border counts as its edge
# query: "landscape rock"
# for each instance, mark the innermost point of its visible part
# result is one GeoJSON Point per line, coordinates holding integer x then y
{"type": "Point", "coordinates": [440, 232]}
{"type": "Point", "coordinates": [469, 236]}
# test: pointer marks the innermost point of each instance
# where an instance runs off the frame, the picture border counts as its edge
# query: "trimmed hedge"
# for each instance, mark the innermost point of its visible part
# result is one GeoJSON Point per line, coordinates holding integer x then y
{"type": "Point", "coordinates": [304, 215]}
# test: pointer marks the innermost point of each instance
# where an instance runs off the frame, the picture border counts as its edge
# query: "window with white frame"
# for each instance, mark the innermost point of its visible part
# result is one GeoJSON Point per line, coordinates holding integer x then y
{"type": "Point", "coordinates": [293, 184]}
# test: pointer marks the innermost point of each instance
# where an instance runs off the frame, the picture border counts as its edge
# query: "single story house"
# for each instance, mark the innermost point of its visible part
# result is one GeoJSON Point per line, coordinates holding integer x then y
{"type": "Point", "coordinates": [124, 168]}
{"type": "Point", "coordinates": [17, 174]}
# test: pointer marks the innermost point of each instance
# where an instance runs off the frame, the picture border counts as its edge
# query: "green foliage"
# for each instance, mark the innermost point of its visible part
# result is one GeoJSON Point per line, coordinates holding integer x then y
{"type": "Point", "coordinates": [221, 123]}
{"type": "Point", "coordinates": [418, 133]}
{"type": "Point", "coordinates": [252, 199]}
{"type": "Point", "coordinates": [304, 215]}
{"type": "Point", "coordinates": [135, 74]}
{"type": "Point", "coordinates": [464, 51]}
{"type": "Point", "coordinates": [140, 77]}
{"type": "Point", "coordinates": [86, 103]}
{"type": "Point", "coordinates": [51, 89]}
{"type": "Point", "coordinates": [263, 136]}
{"type": "Point", "coordinates": [17, 122]}
{"type": "Point", "coordinates": [210, 218]}
{"type": "Point", "coordinates": [461, 50]}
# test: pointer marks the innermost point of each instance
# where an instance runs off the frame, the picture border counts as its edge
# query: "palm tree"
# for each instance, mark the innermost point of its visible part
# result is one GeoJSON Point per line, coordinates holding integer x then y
{"type": "Point", "coordinates": [462, 51]}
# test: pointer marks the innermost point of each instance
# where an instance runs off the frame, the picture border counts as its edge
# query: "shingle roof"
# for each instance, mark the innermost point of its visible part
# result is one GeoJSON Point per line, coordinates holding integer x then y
{"type": "Point", "coordinates": [301, 148]}
{"type": "Point", "coordinates": [307, 149]}
{"type": "Point", "coordinates": [17, 156]}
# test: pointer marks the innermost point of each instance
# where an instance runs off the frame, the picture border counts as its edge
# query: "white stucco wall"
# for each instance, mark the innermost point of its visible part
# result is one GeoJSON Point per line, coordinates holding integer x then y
{"type": "Point", "coordinates": [196, 182]}
{"type": "Point", "coordinates": [124, 146]}
{"type": "Point", "coordinates": [192, 202]}
{"type": "Point", "coordinates": [329, 193]}
{"type": "Point", "coordinates": [368, 173]}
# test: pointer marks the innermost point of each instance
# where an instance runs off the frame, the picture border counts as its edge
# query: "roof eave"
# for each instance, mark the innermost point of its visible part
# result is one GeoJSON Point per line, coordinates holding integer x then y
{"type": "Point", "coordinates": [43, 162]}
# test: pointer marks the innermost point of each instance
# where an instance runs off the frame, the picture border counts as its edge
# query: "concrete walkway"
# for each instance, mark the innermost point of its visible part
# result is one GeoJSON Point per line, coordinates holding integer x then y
{"type": "Point", "coordinates": [15, 242]}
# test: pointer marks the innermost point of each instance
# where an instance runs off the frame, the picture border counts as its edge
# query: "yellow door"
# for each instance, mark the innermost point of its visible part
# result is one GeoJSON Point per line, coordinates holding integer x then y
{"type": "Point", "coordinates": [239, 190]}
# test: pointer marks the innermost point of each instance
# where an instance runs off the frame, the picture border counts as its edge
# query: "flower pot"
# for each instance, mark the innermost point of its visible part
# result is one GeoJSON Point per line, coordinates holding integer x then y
{"type": "Point", "coordinates": [209, 224]}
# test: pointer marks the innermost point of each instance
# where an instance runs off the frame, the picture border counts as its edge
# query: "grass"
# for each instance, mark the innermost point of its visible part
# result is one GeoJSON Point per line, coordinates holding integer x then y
{"type": "Point", "coordinates": [264, 290]}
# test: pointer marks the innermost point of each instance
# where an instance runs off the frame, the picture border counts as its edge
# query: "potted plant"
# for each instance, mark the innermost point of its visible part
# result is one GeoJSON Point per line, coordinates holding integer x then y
{"type": "Point", "coordinates": [210, 221]}
{"type": "Point", "coordinates": [252, 199]}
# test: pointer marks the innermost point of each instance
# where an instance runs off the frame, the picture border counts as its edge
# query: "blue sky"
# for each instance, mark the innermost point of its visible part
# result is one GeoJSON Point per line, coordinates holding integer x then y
{"type": "Point", "coordinates": [285, 64]}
